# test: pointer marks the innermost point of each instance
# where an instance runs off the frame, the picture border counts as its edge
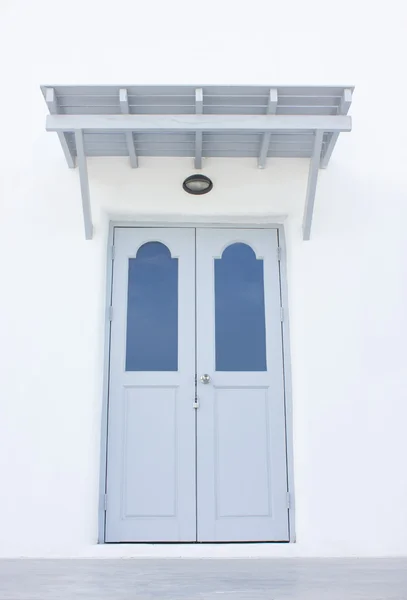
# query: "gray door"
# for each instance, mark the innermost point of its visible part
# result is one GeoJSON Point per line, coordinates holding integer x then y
{"type": "Point", "coordinates": [241, 451]}
{"type": "Point", "coordinates": [151, 426]}
{"type": "Point", "coordinates": [196, 313]}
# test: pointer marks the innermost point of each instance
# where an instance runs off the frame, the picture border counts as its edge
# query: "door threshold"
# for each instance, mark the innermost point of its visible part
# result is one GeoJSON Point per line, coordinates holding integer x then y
{"type": "Point", "coordinates": [195, 550]}
{"type": "Point", "coordinates": [194, 543]}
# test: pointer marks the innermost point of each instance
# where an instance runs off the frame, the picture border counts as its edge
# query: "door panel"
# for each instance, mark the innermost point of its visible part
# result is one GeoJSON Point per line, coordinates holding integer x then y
{"type": "Point", "coordinates": [151, 427]}
{"type": "Point", "coordinates": [241, 452]}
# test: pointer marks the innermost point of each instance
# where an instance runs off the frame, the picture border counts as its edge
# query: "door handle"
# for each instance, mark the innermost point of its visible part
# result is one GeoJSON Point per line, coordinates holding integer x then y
{"type": "Point", "coordinates": [205, 378]}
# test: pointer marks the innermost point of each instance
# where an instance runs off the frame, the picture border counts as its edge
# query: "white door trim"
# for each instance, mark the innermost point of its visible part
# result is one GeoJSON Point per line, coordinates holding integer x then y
{"type": "Point", "coordinates": [203, 221]}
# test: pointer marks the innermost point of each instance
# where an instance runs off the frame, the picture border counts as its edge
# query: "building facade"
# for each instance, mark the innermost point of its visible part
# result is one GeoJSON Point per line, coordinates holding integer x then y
{"type": "Point", "coordinates": [344, 290]}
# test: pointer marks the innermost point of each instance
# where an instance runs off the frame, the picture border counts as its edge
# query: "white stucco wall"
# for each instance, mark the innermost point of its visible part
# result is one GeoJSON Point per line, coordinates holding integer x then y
{"type": "Point", "coordinates": [347, 287]}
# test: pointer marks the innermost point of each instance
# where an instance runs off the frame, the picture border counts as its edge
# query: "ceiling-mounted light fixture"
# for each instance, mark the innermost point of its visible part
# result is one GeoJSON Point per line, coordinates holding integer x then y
{"type": "Point", "coordinates": [197, 184]}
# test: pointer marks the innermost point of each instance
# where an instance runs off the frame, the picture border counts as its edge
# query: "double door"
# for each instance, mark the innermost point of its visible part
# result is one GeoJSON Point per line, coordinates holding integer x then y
{"type": "Point", "coordinates": [196, 419]}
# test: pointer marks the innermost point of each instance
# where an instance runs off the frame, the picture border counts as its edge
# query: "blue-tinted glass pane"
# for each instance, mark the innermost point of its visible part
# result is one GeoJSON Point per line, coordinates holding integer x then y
{"type": "Point", "coordinates": [152, 310]}
{"type": "Point", "coordinates": [239, 311]}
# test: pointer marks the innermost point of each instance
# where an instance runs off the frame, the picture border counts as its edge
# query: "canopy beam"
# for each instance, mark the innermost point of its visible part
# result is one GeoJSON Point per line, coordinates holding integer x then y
{"type": "Point", "coordinates": [343, 110]}
{"type": "Point", "coordinates": [124, 107]}
{"type": "Point", "coordinates": [52, 103]}
{"type": "Point", "coordinates": [265, 144]}
{"type": "Point", "coordinates": [152, 123]}
{"type": "Point", "coordinates": [198, 134]}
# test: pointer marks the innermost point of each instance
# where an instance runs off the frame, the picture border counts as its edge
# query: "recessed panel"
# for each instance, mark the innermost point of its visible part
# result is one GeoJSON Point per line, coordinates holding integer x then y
{"type": "Point", "coordinates": [149, 452]}
{"type": "Point", "coordinates": [242, 453]}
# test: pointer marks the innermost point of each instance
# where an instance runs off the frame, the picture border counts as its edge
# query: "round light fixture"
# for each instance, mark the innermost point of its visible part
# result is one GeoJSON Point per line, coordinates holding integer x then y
{"type": "Point", "coordinates": [197, 184]}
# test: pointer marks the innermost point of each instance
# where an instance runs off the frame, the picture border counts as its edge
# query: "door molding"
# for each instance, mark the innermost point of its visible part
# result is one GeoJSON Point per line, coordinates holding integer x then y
{"type": "Point", "coordinates": [200, 222]}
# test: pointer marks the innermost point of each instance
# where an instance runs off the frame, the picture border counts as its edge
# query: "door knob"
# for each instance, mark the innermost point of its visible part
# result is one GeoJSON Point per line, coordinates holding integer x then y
{"type": "Point", "coordinates": [205, 378]}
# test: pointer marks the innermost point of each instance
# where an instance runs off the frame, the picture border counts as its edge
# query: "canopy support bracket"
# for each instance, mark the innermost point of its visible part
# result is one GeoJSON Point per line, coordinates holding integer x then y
{"type": "Point", "coordinates": [198, 134]}
{"type": "Point", "coordinates": [131, 148]}
{"type": "Point", "coordinates": [84, 181]}
{"type": "Point", "coordinates": [312, 185]}
{"type": "Point", "coordinates": [265, 144]}
{"type": "Point", "coordinates": [52, 103]}
{"type": "Point", "coordinates": [343, 110]}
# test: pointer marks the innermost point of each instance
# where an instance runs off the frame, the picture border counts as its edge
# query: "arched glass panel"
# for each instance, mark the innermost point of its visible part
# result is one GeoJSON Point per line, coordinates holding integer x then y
{"type": "Point", "coordinates": [240, 329]}
{"type": "Point", "coordinates": [152, 310]}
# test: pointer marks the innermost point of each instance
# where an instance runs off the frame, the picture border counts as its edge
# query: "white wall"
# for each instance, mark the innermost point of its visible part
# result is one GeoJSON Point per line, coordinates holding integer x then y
{"type": "Point", "coordinates": [348, 286]}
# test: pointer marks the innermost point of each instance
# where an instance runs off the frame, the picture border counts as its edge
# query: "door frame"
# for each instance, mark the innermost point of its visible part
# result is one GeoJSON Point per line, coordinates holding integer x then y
{"type": "Point", "coordinates": [200, 222]}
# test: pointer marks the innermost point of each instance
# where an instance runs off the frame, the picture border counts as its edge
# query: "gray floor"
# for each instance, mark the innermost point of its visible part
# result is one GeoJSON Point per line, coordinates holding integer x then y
{"type": "Point", "coordinates": [330, 579]}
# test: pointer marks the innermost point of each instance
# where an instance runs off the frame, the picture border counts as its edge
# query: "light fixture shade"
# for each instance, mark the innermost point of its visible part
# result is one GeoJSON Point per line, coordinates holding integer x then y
{"type": "Point", "coordinates": [197, 184]}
